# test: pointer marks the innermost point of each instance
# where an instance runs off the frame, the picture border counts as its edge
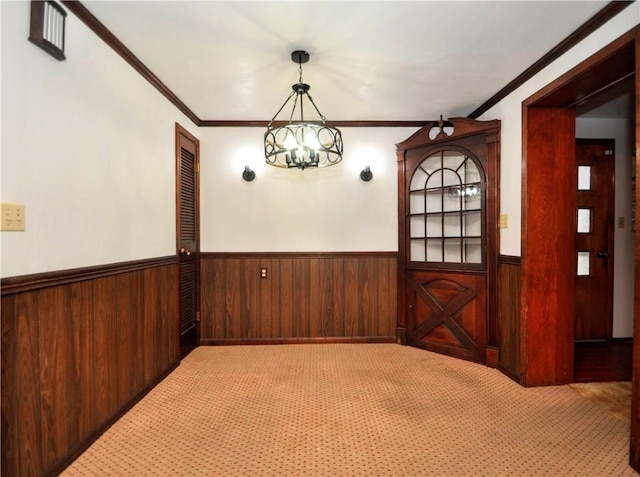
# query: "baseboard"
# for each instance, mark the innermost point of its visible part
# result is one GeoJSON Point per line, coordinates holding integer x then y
{"type": "Point", "coordinates": [401, 334]}
{"type": "Point", "coordinates": [281, 341]}
{"type": "Point", "coordinates": [492, 356]}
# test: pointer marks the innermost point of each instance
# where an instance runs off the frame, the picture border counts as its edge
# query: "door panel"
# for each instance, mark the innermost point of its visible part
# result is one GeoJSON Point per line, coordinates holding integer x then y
{"type": "Point", "coordinates": [594, 239]}
{"type": "Point", "coordinates": [187, 225]}
{"type": "Point", "coordinates": [447, 313]}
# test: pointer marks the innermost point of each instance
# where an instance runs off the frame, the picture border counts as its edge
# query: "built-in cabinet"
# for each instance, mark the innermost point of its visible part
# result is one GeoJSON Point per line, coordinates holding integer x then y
{"type": "Point", "coordinates": [448, 211]}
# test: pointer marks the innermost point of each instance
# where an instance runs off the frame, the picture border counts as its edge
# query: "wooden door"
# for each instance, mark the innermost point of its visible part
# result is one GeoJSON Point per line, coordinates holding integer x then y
{"type": "Point", "coordinates": [188, 236]}
{"type": "Point", "coordinates": [447, 308]}
{"type": "Point", "coordinates": [594, 239]}
{"type": "Point", "coordinates": [448, 238]}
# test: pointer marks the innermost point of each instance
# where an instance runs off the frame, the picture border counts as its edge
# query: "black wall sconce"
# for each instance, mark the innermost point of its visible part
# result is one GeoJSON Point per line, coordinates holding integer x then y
{"type": "Point", "coordinates": [248, 174]}
{"type": "Point", "coordinates": [47, 27]}
{"type": "Point", "coordinates": [366, 175]}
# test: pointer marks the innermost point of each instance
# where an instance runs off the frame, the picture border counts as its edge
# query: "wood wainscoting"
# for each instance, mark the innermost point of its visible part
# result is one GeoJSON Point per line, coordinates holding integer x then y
{"type": "Point", "coordinates": [509, 282]}
{"type": "Point", "coordinates": [79, 348]}
{"type": "Point", "coordinates": [304, 297]}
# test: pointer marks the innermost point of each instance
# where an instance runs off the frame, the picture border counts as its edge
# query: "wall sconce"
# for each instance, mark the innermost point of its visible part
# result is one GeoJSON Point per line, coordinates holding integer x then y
{"type": "Point", "coordinates": [47, 27]}
{"type": "Point", "coordinates": [248, 174]}
{"type": "Point", "coordinates": [366, 175]}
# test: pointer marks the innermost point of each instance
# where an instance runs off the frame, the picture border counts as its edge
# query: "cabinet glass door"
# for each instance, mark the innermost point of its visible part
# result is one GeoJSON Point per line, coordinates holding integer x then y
{"type": "Point", "coordinates": [446, 197]}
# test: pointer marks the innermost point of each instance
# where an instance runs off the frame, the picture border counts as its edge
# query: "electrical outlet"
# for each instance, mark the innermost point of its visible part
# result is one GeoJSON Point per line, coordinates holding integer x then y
{"type": "Point", "coordinates": [620, 222]}
{"type": "Point", "coordinates": [504, 221]}
{"type": "Point", "coordinates": [263, 273]}
{"type": "Point", "coordinates": [13, 217]}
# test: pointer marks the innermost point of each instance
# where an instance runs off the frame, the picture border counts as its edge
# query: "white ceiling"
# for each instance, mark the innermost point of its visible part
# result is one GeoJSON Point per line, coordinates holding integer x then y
{"type": "Point", "coordinates": [370, 60]}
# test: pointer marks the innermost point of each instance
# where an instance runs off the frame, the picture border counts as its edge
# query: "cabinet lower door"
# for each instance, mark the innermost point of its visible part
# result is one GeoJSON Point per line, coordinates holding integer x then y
{"type": "Point", "coordinates": [447, 313]}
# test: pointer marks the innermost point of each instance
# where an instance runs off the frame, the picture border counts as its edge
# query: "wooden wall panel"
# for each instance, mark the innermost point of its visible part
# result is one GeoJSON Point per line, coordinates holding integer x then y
{"type": "Point", "coordinates": [510, 361]}
{"type": "Point", "coordinates": [8, 384]}
{"type": "Point", "coordinates": [78, 353]}
{"type": "Point", "coordinates": [304, 297]}
{"type": "Point", "coordinates": [79, 309]}
{"type": "Point", "coordinates": [387, 305]}
{"type": "Point", "coordinates": [282, 307]}
{"type": "Point", "coordinates": [301, 297]}
{"type": "Point", "coordinates": [55, 368]}
{"type": "Point", "coordinates": [634, 445]}
{"type": "Point", "coordinates": [366, 296]}
{"type": "Point", "coordinates": [30, 453]}
{"type": "Point", "coordinates": [104, 351]}
{"type": "Point", "coordinates": [150, 336]}
{"type": "Point", "coordinates": [351, 307]}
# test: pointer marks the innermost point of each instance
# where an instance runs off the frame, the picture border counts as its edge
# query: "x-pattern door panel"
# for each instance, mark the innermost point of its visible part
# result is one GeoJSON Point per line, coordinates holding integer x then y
{"type": "Point", "coordinates": [447, 315]}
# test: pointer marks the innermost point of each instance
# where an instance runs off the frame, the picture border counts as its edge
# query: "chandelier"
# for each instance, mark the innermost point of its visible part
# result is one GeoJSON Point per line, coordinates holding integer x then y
{"type": "Point", "coordinates": [300, 143]}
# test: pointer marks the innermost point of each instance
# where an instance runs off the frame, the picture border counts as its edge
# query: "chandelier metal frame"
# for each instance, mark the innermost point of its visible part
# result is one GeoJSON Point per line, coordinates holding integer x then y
{"type": "Point", "coordinates": [301, 143]}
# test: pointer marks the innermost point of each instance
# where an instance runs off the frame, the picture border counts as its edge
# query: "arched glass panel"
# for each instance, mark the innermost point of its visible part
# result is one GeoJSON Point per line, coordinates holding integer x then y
{"type": "Point", "coordinates": [446, 196]}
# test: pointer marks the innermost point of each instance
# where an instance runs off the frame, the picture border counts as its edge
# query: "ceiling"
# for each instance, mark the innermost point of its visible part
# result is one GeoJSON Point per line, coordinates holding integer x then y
{"type": "Point", "coordinates": [370, 60]}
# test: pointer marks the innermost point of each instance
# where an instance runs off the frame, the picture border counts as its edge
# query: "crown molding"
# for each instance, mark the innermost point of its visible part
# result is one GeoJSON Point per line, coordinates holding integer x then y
{"type": "Point", "coordinates": [80, 11]}
{"type": "Point", "coordinates": [595, 22]}
{"type": "Point", "coordinates": [586, 29]}
{"type": "Point", "coordinates": [349, 124]}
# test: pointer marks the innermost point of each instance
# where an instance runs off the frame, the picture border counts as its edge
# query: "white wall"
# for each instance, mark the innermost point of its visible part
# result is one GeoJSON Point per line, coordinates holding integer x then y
{"type": "Point", "coordinates": [88, 146]}
{"type": "Point", "coordinates": [509, 110]}
{"type": "Point", "coordinates": [315, 210]}
{"type": "Point", "coordinates": [623, 265]}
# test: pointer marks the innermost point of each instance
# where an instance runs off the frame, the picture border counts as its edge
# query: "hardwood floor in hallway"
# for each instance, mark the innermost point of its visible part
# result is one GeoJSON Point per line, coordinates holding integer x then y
{"type": "Point", "coordinates": [599, 361]}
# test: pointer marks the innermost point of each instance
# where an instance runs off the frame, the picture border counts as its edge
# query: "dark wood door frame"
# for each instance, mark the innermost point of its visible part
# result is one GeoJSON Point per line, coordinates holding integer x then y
{"type": "Point", "coordinates": [549, 117]}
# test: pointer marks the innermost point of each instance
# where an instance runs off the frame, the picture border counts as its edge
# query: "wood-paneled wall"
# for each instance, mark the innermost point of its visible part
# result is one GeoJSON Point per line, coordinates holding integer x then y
{"type": "Point", "coordinates": [78, 349]}
{"type": "Point", "coordinates": [509, 316]}
{"type": "Point", "coordinates": [305, 297]}
{"type": "Point", "coordinates": [634, 445]}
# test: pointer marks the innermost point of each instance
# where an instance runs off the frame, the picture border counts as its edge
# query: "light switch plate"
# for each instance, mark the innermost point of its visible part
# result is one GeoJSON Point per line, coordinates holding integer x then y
{"type": "Point", "coordinates": [504, 221]}
{"type": "Point", "coordinates": [12, 217]}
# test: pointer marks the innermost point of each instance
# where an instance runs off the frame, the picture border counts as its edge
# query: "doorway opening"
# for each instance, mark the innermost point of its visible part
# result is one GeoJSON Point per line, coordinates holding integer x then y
{"type": "Point", "coordinates": [550, 129]}
{"type": "Point", "coordinates": [604, 343]}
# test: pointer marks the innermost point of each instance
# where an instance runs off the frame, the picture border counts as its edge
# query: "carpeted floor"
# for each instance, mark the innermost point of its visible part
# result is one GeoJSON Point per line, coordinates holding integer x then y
{"type": "Point", "coordinates": [354, 410]}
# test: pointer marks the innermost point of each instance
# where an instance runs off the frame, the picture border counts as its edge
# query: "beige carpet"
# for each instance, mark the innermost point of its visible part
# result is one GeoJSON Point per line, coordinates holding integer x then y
{"type": "Point", "coordinates": [354, 410]}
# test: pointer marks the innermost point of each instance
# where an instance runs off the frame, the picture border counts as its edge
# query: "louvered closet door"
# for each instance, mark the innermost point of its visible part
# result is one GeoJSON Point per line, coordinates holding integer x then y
{"type": "Point", "coordinates": [188, 236]}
